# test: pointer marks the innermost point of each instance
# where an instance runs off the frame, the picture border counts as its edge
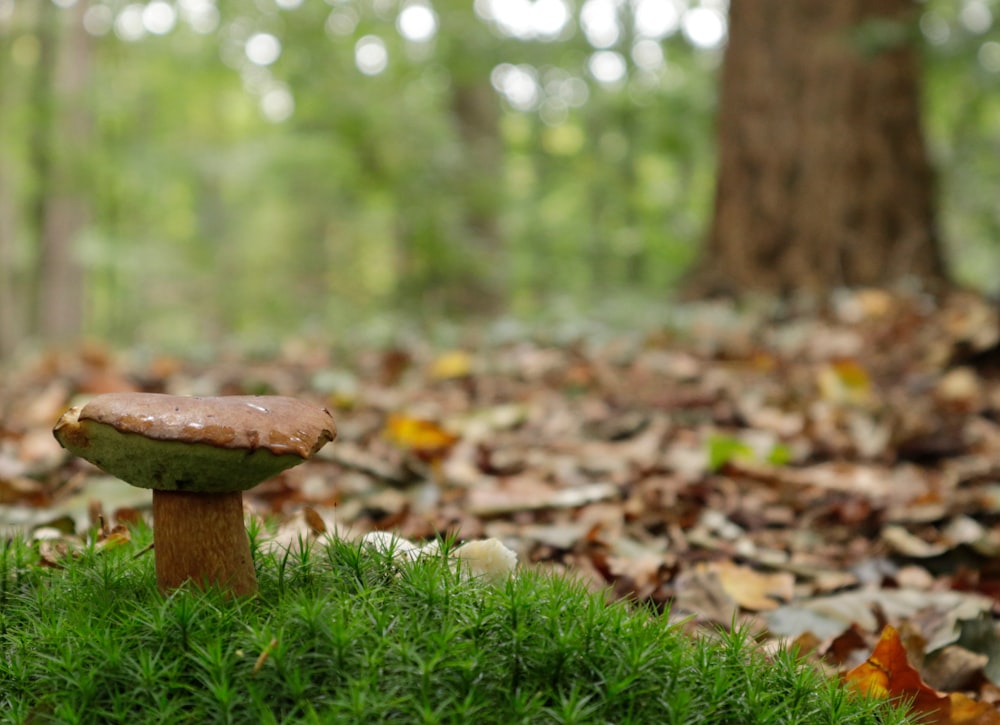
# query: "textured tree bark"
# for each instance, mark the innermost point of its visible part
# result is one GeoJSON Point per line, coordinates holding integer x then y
{"type": "Point", "coordinates": [823, 176]}
{"type": "Point", "coordinates": [200, 537]}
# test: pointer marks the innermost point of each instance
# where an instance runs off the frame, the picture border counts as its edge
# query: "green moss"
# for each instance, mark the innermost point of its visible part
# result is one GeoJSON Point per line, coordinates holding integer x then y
{"type": "Point", "coordinates": [340, 634]}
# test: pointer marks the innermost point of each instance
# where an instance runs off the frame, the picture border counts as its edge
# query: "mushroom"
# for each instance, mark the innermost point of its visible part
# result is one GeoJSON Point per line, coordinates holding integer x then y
{"type": "Point", "coordinates": [198, 455]}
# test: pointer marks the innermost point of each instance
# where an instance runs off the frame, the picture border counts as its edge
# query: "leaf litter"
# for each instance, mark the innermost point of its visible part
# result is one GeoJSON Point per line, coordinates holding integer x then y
{"type": "Point", "coordinates": [829, 478]}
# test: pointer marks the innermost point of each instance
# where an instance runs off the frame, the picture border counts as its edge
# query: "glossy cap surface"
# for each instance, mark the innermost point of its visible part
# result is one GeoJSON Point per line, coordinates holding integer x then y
{"type": "Point", "coordinates": [210, 444]}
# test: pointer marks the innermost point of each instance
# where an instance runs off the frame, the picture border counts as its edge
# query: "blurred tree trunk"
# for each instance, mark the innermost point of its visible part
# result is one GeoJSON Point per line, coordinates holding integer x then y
{"type": "Point", "coordinates": [62, 275]}
{"type": "Point", "coordinates": [41, 101]}
{"type": "Point", "coordinates": [476, 110]}
{"type": "Point", "coordinates": [60, 208]}
{"type": "Point", "coordinates": [10, 314]}
{"type": "Point", "coordinates": [10, 320]}
{"type": "Point", "coordinates": [474, 277]}
{"type": "Point", "coordinates": [823, 176]}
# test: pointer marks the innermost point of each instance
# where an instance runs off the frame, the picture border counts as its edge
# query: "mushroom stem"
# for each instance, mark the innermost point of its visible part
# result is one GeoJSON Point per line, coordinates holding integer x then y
{"type": "Point", "coordinates": [201, 537]}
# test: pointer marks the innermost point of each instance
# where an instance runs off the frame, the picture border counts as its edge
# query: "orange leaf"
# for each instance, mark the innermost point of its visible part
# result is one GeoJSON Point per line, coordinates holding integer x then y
{"type": "Point", "coordinates": [424, 437]}
{"type": "Point", "coordinates": [887, 673]}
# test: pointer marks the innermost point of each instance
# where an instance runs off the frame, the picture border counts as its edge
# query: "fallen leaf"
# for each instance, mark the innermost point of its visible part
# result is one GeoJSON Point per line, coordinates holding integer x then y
{"type": "Point", "coordinates": [844, 382]}
{"type": "Point", "coordinates": [454, 364]}
{"type": "Point", "coordinates": [887, 674]}
{"type": "Point", "coordinates": [959, 388]}
{"type": "Point", "coordinates": [314, 520]}
{"type": "Point", "coordinates": [754, 590]}
{"type": "Point", "coordinates": [118, 536]}
{"type": "Point", "coordinates": [903, 542]}
{"type": "Point", "coordinates": [965, 711]}
{"type": "Point", "coordinates": [700, 590]}
{"type": "Point", "coordinates": [723, 449]}
{"type": "Point", "coordinates": [264, 654]}
{"type": "Point", "coordinates": [525, 493]}
{"type": "Point", "coordinates": [426, 438]}
{"type": "Point", "coordinates": [980, 636]}
{"type": "Point", "coordinates": [830, 615]}
{"type": "Point", "coordinates": [953, 668]}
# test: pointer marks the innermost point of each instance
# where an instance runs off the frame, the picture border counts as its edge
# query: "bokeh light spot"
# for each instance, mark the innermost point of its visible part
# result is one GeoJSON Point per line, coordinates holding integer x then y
{"type": "Point", "coordinates": [201, 15]}
{"type": "Point", "coordinates": [277, 103]}
{"type": "Point", "coordinates": [704, 27]}
{"type": "Point", "coordinates": [159, 17]}
{"type": "Point", "coordinates": [370, 55]}
{"type": "Point", "coordinates": [607, 67]}
{"type": "Point", "coordinates": [417, 22]}
{"type": "Point", "coordinates": [647, 54]}
{"type": "Point", "coordinates": [128, 25]}
{"type": "Point", "coordinates": [599, 20]}
{"type": "Point", "coordinates": [518, 84]}
{"type": "Point", "coordinates": [989, 56]}
{"type": "Point", "coordinates": [263, 49]}
{"type": "Point", "coordinates": [98, 20]}
{"type": "Point", "coordinates": [976, 16]}
{"type": "Point", "coordinates": [656, 18]}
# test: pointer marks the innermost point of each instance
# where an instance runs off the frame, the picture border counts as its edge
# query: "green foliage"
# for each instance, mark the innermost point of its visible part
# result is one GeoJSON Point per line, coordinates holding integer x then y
{"type": "Point", "coordinates": [340, 634]}
{"type": "Point", "coordinates": [962, 114]}
{"type": "Point", "coordinates": [723, 449]}
{"type": "Point", "coordinates": [215, 207]}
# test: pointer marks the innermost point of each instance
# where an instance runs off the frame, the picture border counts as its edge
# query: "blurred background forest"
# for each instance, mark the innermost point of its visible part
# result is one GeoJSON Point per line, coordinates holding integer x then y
{"type": "Point", "coordinates": [184, 171]}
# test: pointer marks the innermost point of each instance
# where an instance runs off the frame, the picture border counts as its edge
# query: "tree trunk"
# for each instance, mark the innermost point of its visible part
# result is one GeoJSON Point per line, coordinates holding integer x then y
{"type": "Point", "coordinates": [452, 255]}
{"type": "Point", "coordinates": [10, 319]}
{"type": "Point", "coordinates": [68, 209]}
{"type": "Point", "coordinates": [823, 176]}
{"type": "Point", "coordinates": [58, 145]}
{"type": "Point", "coordinates": [476, 113]}
{"type": "Point", "coordinates": [39, 152]}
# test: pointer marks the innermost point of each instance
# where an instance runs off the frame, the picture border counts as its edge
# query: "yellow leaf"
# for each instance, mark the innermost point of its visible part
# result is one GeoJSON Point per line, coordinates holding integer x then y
{"type": "Point", "coordinates": [844, 381]}
{"type": "Point", "coordinates": [454, 364]}
{"type": "Point", "coordinates": [424, 437]}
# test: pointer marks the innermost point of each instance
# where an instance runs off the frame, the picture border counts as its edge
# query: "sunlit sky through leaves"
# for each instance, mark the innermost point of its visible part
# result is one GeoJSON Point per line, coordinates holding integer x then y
{"type": "Point", "coordinates": [605, 24]}
{"type": "Point", "coordinates": [622, 34]}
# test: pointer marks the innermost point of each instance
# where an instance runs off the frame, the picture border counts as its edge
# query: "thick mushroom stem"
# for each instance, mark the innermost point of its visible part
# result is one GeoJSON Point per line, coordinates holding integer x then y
{"type": "Point", "coordinates": [200, 537]}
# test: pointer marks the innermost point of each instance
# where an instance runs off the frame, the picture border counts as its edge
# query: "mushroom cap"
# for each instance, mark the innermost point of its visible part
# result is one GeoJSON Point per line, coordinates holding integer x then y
{"type": "Point", "coordinates": [204, 444]}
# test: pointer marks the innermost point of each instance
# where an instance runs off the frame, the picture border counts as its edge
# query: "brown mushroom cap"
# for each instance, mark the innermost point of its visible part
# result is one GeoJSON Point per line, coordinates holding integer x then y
{"type": "Point", "coordinates": [208, 444]}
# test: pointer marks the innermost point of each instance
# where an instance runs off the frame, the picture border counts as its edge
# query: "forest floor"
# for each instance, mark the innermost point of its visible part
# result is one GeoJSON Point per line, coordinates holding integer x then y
{"type": "Point", "coordinates": [812, 476]}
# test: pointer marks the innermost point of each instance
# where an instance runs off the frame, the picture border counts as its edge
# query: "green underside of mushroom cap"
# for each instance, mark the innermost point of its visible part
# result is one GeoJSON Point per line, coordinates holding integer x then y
{"type": "Point", "coordinates": [173, 465]}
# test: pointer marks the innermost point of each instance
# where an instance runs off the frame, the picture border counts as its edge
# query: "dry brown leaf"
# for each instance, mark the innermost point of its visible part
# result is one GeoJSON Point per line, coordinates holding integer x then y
{"type": "Point", "coordinates": [754, 590]}
{"type": "Point", "coordinates": [953, 668]}
{"type": "Point", "coordinates": [314, 521]}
